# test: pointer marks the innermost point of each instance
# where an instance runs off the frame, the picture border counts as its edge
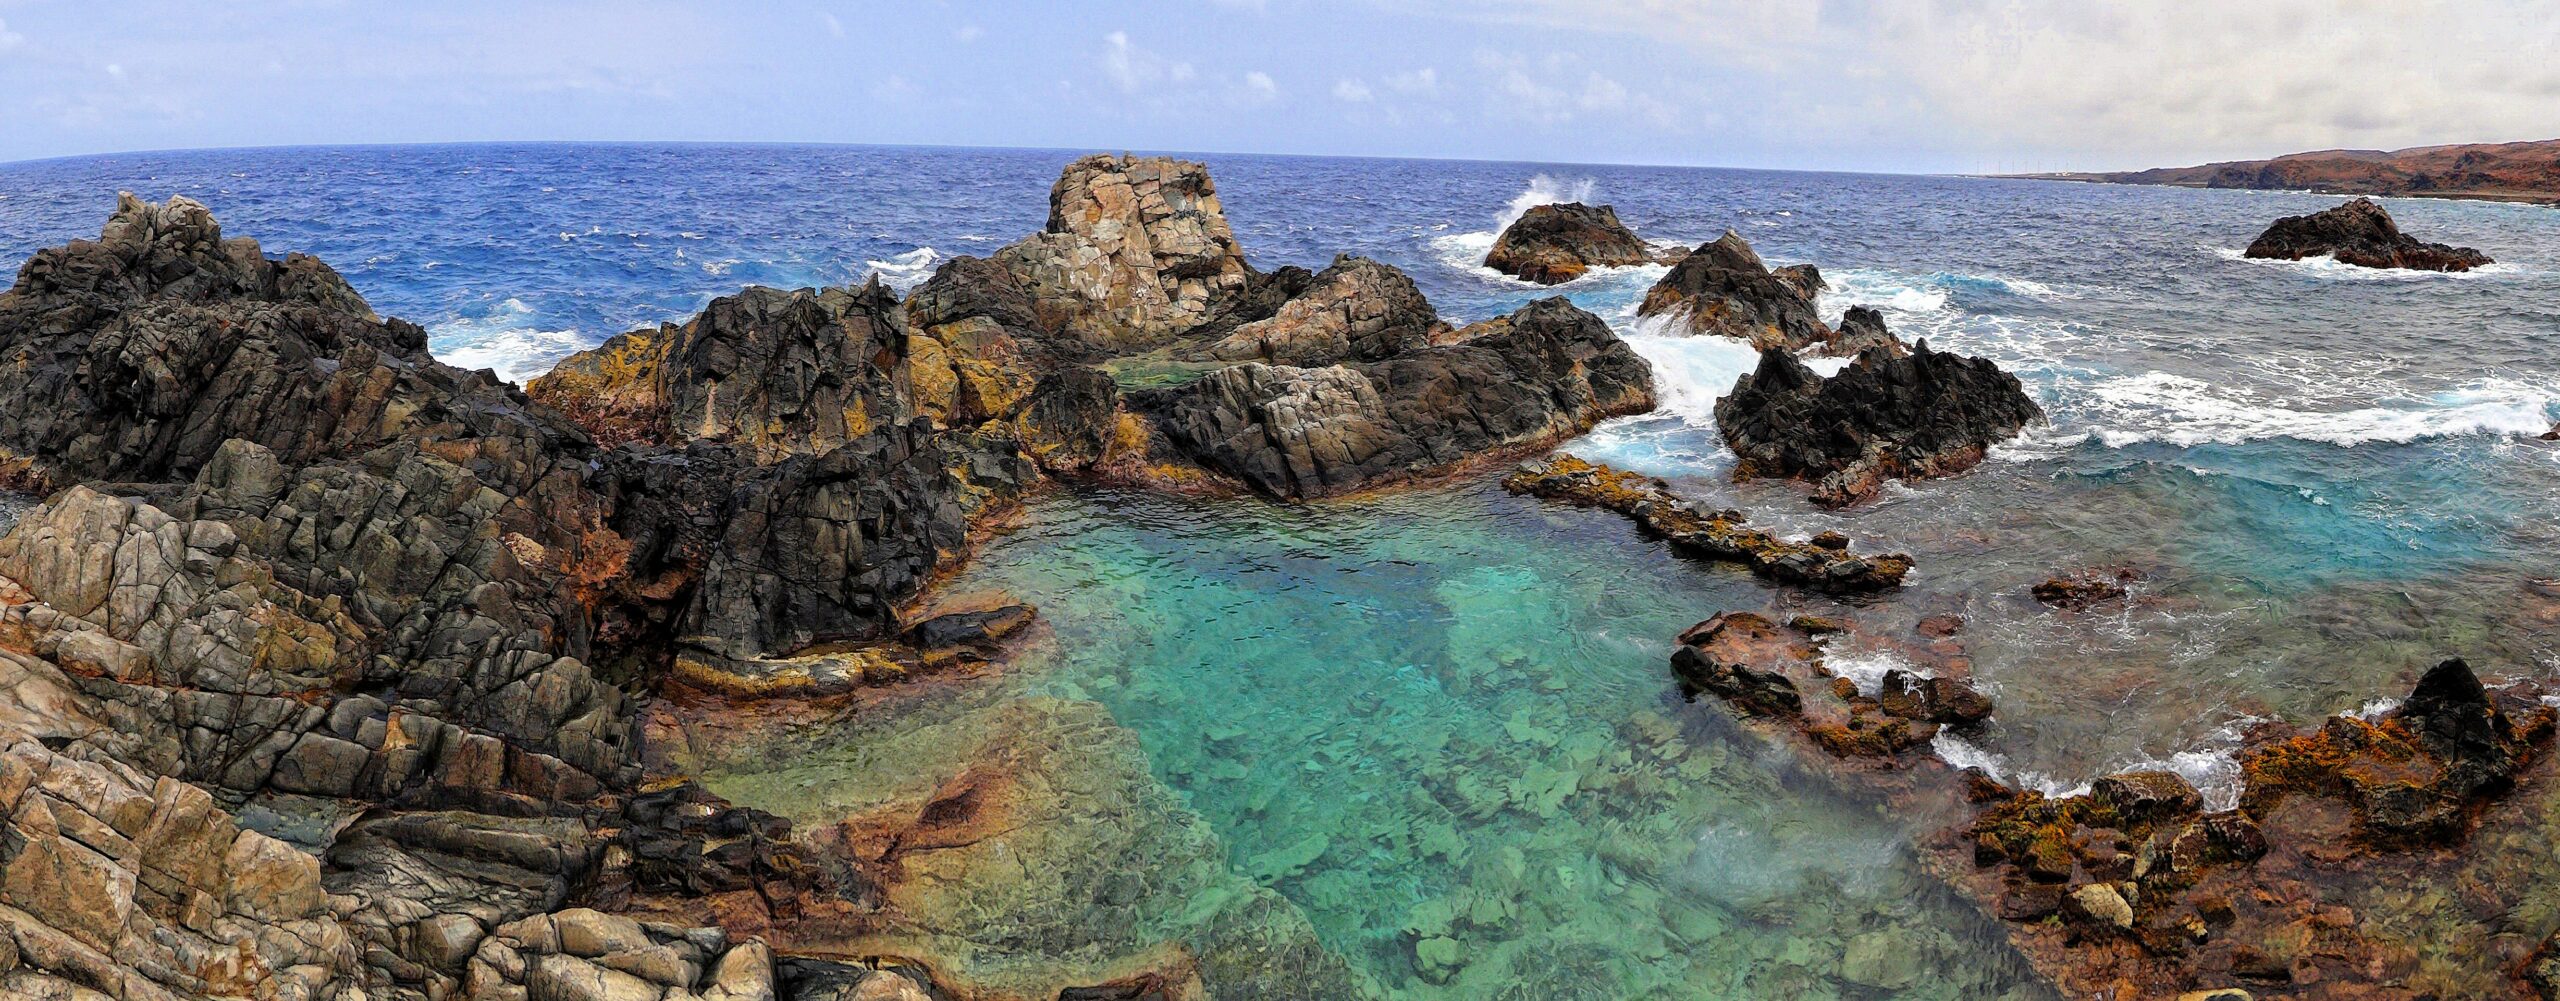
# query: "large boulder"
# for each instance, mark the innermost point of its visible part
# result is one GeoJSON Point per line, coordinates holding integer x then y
{"type": "Point", "coordinates": [1356, 310]}
{"type": "Point", "coordinates": [1924, 414]}
{"type": "Point", "coordinates": [1559, 242]}
{"type": "Point", "coordinates": [1723, 288]}
{"type": "Point", "coordinates": [1523, 381]}
{"type": "Point", "coordinates": [1137, 250]}
{"type": "Point", "coordinates": [2359, 233]}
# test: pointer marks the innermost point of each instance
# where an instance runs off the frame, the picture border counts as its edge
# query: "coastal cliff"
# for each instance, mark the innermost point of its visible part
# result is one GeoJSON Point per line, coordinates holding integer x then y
{"type": "Point", "coordinates": [2516, 172]}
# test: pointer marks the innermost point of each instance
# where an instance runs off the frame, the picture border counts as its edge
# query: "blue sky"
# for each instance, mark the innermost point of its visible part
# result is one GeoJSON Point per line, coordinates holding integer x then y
{"type": "Point", "coordinates": [1917, 85]}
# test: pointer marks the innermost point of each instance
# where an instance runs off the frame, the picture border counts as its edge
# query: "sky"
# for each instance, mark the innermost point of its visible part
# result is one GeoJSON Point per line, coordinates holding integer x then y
{"type": "Point", "coordinates": [1883, 85]}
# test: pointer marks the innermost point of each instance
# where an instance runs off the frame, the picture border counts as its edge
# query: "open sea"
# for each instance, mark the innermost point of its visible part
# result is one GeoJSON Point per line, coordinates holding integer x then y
{"type": "Point", "coordinates": [1398, 709]}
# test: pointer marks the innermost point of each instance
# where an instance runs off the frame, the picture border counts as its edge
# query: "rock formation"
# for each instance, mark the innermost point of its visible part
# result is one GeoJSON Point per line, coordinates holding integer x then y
{"type": "Point", "coordinates": [1823, 563]}
{"type": "Point", "coordinates": [1559, 242]}
{"type": "Point", "coordinates": [2513, 171]}
{"type": "Point", "coordinates": [2139, 886]}
{"type": "Point", "coordinates": [2359, 233]}
{"type": "Point", "coordinates": [1722, 288]}
{"type": "Point", "coordinates": [1924, 414]}
{"type": "Point", "coordinates": [1528, 380]}
{"type": "Point", "coordinates": [1355, 310]}
{"type": "Point", "coordinates": [1137, 250]}
{"type": "Point", "coordinates": [323, 665]}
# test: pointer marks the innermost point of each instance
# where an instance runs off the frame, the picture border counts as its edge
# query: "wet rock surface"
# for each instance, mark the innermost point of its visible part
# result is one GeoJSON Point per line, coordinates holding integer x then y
{"type": "Point", "coordinates": [1883, 417]}
{"type": "Point", "coordinates": [1723, 289]}
{"type": "Point", "coordinates": [1559, 242]}
{"type": "Point", "coordinates": [2359, 233]}
{"type": "Point", "coordinates": [1823, 563]}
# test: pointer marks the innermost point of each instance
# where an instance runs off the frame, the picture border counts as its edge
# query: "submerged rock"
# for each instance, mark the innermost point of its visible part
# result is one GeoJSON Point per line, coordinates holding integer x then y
{"type": "Point", "coordinates": [1925, 414]}
{"type": "Point", "coordinates": [1720, 535]}
{"type": "Point", "coordinates": [1559, 242]}
{"type": "Point", "coordinates": [2359, 233]}
{"type": "Point", "coordinates": [2081, 589]}
{"type": "Point", "coordinates": [1527, 380]}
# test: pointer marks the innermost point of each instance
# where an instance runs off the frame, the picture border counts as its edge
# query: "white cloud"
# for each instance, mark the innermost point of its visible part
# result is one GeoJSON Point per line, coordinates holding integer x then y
{"type": "Point", "coordinates": [9, 39]}
{"type": "Point", "coordinates": [1422, 81]}
{"type": "Point", "coordinates": [2138, 84]}
{"type": "Point", "coordinates": [834, 27]}
{"type": "Point", "coordinates": [1352, 90]}
{"type": "Point", "coordinates": [1133, 69]}
{"type": "Point", "coordinates": [1260, 88]}
{"type": "Point", "coordinates": [968, 33]}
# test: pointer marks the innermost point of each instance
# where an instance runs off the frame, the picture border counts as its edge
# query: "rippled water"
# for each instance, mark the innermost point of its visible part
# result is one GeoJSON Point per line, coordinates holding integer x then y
{"type": "Point", "coordinates": [2327, 474]}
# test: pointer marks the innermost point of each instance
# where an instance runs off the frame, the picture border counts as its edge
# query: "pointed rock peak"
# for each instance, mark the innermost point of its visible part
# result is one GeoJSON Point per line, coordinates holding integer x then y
{"type": "Point", "coordinates": [1732, 251]}
{"type": "Point", "coordinates": [182, 224]}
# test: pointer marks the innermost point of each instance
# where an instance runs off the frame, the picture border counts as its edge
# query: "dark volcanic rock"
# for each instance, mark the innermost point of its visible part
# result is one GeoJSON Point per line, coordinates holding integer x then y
{"type": "Point", "coordinates": [1723, 288]}
{"type": "Point", "coordinates": [1557, 243]}
{"type": "Point", "coordinates": [1528, 379]}
{"type": "Point", "coordinates": [1926, 414]}
{"type": "Point", "coordinates": [2360, 233]}
{"type": "Point", "coordinates": [774, 373]}
{"type": "Point", "coordinates": [1862, 328]}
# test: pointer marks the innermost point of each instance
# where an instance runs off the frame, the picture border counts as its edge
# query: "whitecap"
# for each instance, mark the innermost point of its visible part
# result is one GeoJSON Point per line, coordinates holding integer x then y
{"type": "Point", "coordinates": [1884, 290]}
{"type": "Point", "coordinates": [1867, 668]}
{"type": "Point", "coordinates": [904, 271]}
{"type": "Point", "coordinates": [509, 342]}
{"type": "Point", "coordinates": [1962, 753]}
{"type": "Point", "coordinates": [2178, 410]}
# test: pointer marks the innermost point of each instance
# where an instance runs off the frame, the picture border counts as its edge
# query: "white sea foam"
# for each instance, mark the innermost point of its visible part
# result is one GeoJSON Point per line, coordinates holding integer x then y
{"type": "Point", "coordinates": [2329, 268]}
{"type": "Point", "coordinates": [2178, 410]}
{"type": "Point", "coordinates": [507, 341]}
{"type": "Point", "coordinates": [1867, 668]}
{"type": "Point", "coordinates": [1542, 190]}
{"type": "Point", "coordinates": [904, 271]}
{"type": "Point", "coordinates": [1884, 290]}
{"type": "Point", "coordinates": [1963, 753]}
{"type": "Point", "coordinates": [1691, 371]}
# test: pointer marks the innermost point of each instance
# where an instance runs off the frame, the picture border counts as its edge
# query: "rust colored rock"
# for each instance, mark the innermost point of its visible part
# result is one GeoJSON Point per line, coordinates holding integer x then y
{"type": "Point", "coordinates": [1823, 563]}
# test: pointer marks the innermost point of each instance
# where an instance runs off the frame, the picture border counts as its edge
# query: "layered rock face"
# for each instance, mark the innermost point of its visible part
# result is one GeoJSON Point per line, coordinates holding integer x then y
{"type": "Point", "coordinates": [1723, 288]}
{"type": "Point", "coordinates": [1524, 381]}
{"type": "Point", "coordinates": [1924, 414]}
{"type": "Point", "coordinates": [2359, 233]}
{"type": "Point", "coordinates": [1137, 251]}
{"type": "Point", "coordinates": [1355, 310]}
{"type": "Point", "coordinates": [1557, 243]}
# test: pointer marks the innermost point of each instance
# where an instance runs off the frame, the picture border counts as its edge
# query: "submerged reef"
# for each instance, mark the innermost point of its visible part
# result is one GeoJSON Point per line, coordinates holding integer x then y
{"type": "Point", "coordinates": [1823, 562]}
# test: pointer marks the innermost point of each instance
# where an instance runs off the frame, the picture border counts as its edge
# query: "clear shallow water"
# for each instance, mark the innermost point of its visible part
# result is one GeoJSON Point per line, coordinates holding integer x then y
{"type": "Point", "coordinates": [2326, 472]}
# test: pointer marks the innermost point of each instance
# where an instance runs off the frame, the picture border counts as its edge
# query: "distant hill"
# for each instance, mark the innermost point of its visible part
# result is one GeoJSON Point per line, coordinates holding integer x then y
{"type": "Point", "coordinates": [2518, 171]}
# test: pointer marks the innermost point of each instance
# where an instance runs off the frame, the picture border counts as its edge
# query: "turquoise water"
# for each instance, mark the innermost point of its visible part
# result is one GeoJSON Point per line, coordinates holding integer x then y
{"type": "Point", "coordinates": [1447, 716]}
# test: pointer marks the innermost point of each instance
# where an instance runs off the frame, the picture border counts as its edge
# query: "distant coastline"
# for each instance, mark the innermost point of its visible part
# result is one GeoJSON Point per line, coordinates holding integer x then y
{"type": "Point", "coordinates": [2505, 172]}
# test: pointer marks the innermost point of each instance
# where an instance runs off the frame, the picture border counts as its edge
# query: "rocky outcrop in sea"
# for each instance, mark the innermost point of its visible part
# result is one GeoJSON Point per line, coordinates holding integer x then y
{"type": "Point", "coordinates": [330, 670]}
{"type": "Point", "coordinates": [1723, 289]}
{"type": "Point", "coordinates": [2359, 233]}
{"type": "Point", "coordinates": [1823, 563]}
{"type": "Point", "coordinates": [1558, 242]}
{"type": "Point", "coordinates": [1883, 417]}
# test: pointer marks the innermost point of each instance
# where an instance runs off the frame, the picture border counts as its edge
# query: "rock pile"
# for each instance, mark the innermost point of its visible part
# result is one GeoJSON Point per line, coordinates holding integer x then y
{"type": "Point", "coordinates": [1823, 563]}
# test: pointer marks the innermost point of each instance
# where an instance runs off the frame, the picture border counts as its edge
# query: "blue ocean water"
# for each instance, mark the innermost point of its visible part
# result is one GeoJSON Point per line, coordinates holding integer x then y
{"type": "Point", "coordinates": [2327, 474]}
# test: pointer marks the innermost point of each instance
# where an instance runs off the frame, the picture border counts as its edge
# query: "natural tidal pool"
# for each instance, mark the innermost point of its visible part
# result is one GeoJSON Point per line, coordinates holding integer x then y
{"type": "Point", "coordinates": [1442, 725]}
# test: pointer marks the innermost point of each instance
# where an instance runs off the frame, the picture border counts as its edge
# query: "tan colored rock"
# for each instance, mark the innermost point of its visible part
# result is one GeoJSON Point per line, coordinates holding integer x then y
{"type": "Point", "coordinates": [568, 978]}
{"type": "Point", "coordinates": [1137, 250]}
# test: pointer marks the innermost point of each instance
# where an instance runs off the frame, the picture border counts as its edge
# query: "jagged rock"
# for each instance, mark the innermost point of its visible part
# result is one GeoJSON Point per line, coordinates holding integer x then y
{"type": "Point", "coordinates": [1780, 675]}
{"type": "Point", "coordinates": [136, 356]}
{"type": "Point", "coordinates": [1261, 299]}
{"type": "Point", "coordinates": [1721, 535]}
{"type": "Point", "coordinates": [1862, 328]}
{"type": "Point", "coordinates": [2416, 777]}
{"type": "Point", "coordinates": [1545, 372]}
{"type": "Point", "coordinates": [1355, 310]}
{"type": "Point", "coordinates": [827, 548]}
{"type": "Point", "coordinates": [1723, 288]}
{"type": "Point", "coordinates": [2359, 233]}
{"type": "Point", "coordinates": [1137, 251]}
{"type": "Point", "coordinates": [1927, 414]}
{"type": "Point", "coordinates": [1556, 243]}
{"type": "Point", "coordinates": [975, 347]}
{"type": "Point", "coordinates": [773, 373]}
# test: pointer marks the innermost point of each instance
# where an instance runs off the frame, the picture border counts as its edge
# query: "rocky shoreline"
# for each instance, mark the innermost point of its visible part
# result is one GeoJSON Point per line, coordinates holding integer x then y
{"type": "Point", "coordinates": [331, 666]}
